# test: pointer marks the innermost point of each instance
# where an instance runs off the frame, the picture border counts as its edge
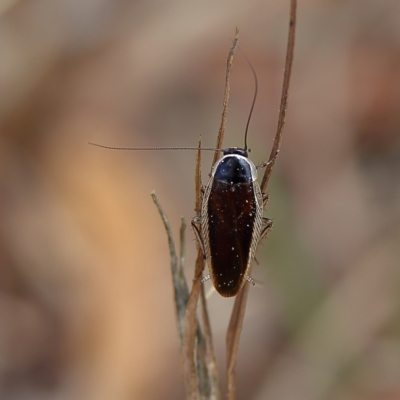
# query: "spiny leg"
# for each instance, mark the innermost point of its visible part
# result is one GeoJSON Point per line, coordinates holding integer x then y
{"type": "Point", "coordinates": [265, 198]}
{"type": "Point", "coordinates": [195, 222]}
{"type": "Point", "coordinates": [268, 163]}
{"type": "Point", "coordinates": [251, 280]}
{"type": "Point", "coordinates": [266, 226]}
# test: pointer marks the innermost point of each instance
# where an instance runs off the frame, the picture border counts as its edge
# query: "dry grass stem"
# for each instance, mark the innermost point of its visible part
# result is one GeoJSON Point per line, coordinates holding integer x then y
{"type": "Point", "coordinates": [229, 63]}
{"type": "Point", "coordinates": [233, 338]}
{"type": "Point", "coordinates": [284, 98]}
{"type": "Point", "coordinates": [181, 290]}
{"type": "Point", "coordinates": [198, 359]}
{"type": "Point", "coordinates": [200, 373]}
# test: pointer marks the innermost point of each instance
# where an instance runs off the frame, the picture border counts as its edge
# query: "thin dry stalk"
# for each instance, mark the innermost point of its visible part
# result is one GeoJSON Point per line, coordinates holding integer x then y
{"type": "Point", "coordinates": [181, 290]}
{"type": "Point", "coordinates": [208, 387]}
{"type": "Point", "coordinates": [284, 98]}
{"type": "Point", "coordinates": [236, 321]}
{"type": "Point", "coordinates": [209, 356]}
{"type": "Point", "coordinates": [210, 360]}
{"type": "Point", "coordinates": [188, 358]}
{"type": "Point", "coordinates": [202, 369]}
{"type": "Point", "coordinates": [198, 358]}
{"type": "Point", "coordinates": [233, 338]}
{"type": "Point", "coordinates": [229, 63]}
{"type": "Point", "coordinates": [189, 338]}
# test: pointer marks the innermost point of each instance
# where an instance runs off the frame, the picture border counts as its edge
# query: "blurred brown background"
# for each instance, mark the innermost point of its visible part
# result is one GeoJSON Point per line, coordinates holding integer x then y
{"type": "Point", "coordinates": [85, 292]}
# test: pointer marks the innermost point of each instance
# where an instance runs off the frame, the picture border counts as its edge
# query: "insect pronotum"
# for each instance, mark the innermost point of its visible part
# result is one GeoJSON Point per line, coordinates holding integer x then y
{"type": "Point", "coordinates": [231, 223]}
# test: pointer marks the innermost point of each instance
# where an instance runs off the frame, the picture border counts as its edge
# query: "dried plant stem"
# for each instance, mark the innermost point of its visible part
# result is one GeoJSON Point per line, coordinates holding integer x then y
{"type": "Point", "coordinates": [229, 63]}
{"type": "Point", "coordinates": [181, 290]}
{"type": "Point", "coordinates": [188, 358]}
{"type": "Point", "coordinates": [188, 346]}
{"type": "Point", "coordinates": [284, 98]}
{"type": "Point", "coordinates": [215, 386]}
{"type": "Point", "coordinates": [199, 368]}
{"type": "Point", "coordinates": [210, 360]}
{"type": "Point", "coordinates": [198, 359]}
{"type": "Point", "coordinates": [237, 316]}
{"type": "Point", "coordinates": [232, 340]}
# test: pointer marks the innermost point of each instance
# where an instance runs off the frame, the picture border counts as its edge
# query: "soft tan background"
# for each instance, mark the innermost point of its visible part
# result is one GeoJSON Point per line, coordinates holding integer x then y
{"type": "Point", "coordinates": [85, 293]}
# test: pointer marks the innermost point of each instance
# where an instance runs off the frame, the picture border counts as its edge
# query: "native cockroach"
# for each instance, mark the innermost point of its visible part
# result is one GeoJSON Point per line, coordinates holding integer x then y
{"type": "Point", "coordinates": [231, 223]}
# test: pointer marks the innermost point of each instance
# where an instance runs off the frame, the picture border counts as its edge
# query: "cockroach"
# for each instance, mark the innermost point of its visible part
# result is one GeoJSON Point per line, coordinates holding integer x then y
{"type": "Point", "coordinates": [231, 222]}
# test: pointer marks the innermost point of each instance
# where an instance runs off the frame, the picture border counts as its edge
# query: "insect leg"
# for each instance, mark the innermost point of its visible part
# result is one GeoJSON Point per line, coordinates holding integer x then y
{"type": "Point", "coordinates": [266, 164]}
{"type": "Point", "coordinates": [251, 280]}
{"type": "Point", "coordinates": [197, 232]}
{"type": "Point", "coordinates": [266, 226]}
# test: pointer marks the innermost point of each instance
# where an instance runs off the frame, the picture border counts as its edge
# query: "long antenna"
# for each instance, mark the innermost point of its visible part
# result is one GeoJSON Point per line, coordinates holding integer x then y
{"type": "Point", "coordinates": [152, 148]}
{"type": "Point", "coordinates": [254, 97]}
{"type": "Point", "coordinates": [284, 98]}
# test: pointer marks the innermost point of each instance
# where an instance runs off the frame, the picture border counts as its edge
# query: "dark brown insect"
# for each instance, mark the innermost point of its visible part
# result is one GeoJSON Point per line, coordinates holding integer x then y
{"type": "Point", "coordinates": [231, 223]}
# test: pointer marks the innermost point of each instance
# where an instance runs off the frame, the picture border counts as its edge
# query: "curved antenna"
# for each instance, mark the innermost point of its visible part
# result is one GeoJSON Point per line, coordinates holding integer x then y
{"type": "Point", "coordinates": [152, 148]}
{"type": "Point", "coordinates": [254, 97]}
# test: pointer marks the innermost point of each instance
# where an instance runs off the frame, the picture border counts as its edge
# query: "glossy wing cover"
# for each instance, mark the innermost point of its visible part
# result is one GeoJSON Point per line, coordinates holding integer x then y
{"type": "Point", "coordinates": [231, 221]}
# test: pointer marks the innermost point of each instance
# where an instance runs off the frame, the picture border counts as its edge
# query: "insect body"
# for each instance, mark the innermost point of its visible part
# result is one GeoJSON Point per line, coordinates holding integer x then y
{"type": "Point", "coordinates": [231, 223]}
{"type": "Point", "coordinates": [231, 220]}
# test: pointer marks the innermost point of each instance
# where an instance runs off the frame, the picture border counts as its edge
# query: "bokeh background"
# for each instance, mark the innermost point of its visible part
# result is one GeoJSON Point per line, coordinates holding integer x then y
{"type": "Point", "coordinates": [86, 304]}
